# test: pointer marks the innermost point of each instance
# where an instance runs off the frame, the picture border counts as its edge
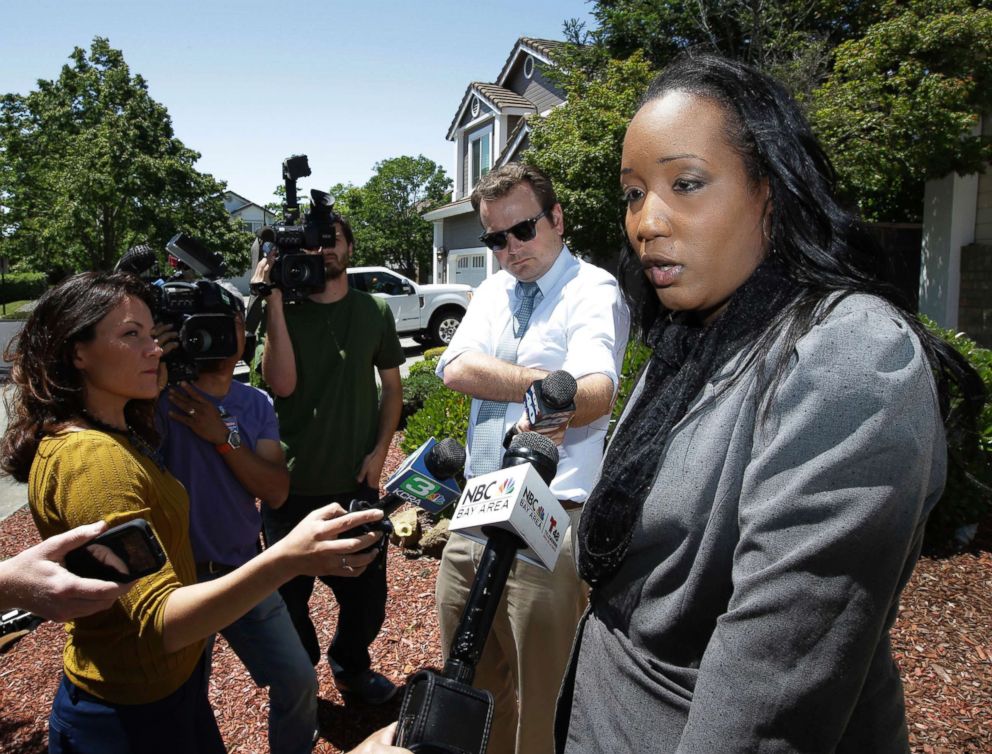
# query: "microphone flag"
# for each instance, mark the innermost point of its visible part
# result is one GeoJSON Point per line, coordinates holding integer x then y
{"type": "Point", "coordinates": [517, 500]}
{"type": "Point", "coordinates": [413, 482]}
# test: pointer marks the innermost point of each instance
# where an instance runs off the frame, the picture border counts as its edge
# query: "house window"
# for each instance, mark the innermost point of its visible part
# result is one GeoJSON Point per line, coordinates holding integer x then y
{"type": "Point", "coordinates": [479, 261]}
{"type": "Point", "coordinates": [480, 156]}
{"type": "Point", "coordinates": [529, 67]}
{"type": "Point", "coordinates": [462, 263]}
{"type": "Point", "coordinates": [475, 107]}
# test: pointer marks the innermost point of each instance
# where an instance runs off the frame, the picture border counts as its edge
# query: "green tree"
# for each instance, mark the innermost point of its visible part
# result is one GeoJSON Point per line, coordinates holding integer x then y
{"type": "Point", "coordinates": [89, 166]}
{"type": "Point", "coordinates": [901, 102]}
{"type": "Point", "coordinates": [790, 39]}
{"type": "Point", "coordinates": [579, 147]}
{"type": "Point", "coordinates": [386, 212]}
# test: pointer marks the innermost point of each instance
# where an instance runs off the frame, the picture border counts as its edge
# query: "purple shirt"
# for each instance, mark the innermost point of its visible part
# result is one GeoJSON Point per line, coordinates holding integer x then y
{"type": "Point", "coordinates": [223, 519]}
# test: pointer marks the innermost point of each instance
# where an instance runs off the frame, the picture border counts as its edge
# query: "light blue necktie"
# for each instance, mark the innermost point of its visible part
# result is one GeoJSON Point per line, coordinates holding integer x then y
{"type": "Point", "coordinates": [487, 439]}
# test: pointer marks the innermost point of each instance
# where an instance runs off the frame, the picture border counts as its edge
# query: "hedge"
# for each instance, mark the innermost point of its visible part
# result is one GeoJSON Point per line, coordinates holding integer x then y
{"type": "Point", "coordinates": [22, 286]}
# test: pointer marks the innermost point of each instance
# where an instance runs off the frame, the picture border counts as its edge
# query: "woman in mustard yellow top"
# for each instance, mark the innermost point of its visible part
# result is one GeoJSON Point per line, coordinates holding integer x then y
{"type": "Point", "coordinates": [85, 371]}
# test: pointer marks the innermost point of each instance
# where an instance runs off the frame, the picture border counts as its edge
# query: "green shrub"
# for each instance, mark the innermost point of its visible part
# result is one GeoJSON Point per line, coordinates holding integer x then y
{"type": "Point", "coordinates": [23, 286]}
{"type": "Point", "coordinates": [419, 385]}
{"type": "Point", "coordinates": [444, 414]}
{"type": "Point", "coordinates": [967, 497]}
{"type": "Point", "coordinates": [434, 353]}
{"type": "Point", "coordinates": [633, 359]}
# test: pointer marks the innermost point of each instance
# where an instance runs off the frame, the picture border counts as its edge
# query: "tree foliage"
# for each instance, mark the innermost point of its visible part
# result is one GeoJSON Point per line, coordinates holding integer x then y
{"type": "Point", "coordinates": [892, 88]}
{"type": "Point", "coordinates": [385, 213]}
{"type": "Point", "coordinates": [579, 147]}
{"type": "Point", "coordinates": [89, 166]}
{"type": "Point", "coordinates": [901, 103]}
{"type": "Point", "coordinates": [790, 39]}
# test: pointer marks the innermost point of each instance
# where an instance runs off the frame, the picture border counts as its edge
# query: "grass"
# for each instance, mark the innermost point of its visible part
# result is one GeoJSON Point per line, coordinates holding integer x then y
{"type": "Point", "coordinates": [13, 310]}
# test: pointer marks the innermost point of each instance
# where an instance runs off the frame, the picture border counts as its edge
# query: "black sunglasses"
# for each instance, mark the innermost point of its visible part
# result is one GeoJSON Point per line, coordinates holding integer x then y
{"type": "Point", "coordinates": [523, 231]}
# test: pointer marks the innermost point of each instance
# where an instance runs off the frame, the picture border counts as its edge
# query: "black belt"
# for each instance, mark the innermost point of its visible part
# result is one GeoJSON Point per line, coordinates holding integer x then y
{"type": "Point", "coordinates": [212, 568]}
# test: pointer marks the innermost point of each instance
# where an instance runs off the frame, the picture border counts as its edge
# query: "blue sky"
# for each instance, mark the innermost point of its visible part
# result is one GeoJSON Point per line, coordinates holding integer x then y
{"type": "Point", "coordinates": [249, 83]}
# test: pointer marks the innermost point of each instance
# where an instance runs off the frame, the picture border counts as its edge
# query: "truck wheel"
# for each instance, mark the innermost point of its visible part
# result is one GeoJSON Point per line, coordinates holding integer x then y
{"type": "Point", "coordinates": [443, 325]}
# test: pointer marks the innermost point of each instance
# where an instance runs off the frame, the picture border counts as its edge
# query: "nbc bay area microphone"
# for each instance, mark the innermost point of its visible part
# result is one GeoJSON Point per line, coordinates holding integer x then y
{"type": "Point", "coordinates": [549, 402]}
{"type": "Point", "coordinates": [517, 515]}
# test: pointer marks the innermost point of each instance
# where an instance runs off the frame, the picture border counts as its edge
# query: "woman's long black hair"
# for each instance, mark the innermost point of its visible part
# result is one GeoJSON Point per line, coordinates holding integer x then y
{"type": "Point", "coordinates": [822, 245]}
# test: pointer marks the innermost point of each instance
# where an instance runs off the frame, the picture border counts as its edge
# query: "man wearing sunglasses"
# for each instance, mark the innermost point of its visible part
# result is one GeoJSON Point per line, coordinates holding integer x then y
{"type": "Point", "coordinates": [545, 310]}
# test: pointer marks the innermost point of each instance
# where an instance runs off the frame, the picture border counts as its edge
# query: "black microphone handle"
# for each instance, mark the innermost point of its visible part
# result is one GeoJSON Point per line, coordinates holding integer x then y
{"type": "Point", "coordinates": [483, 599]}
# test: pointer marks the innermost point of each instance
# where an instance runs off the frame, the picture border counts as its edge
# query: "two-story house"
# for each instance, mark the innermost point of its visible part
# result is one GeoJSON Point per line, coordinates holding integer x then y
{"type": "Point", "coordinates": [490, 128]}
{"type": "Point", "coordinates": [252, 216]}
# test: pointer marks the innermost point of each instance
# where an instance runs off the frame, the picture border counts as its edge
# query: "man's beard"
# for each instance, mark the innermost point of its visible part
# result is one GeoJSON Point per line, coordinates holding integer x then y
{"type": "Point", "coordinates": [333, 269]}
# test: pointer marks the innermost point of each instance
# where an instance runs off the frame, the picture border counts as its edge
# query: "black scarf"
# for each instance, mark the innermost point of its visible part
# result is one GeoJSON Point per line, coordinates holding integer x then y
{"type": "Point", "coordinates": [686, 355]}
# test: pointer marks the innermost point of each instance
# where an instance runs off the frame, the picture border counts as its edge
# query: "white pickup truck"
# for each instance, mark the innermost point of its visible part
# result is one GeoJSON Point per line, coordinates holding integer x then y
{"type": "Point", "coordinates": [428, 313]}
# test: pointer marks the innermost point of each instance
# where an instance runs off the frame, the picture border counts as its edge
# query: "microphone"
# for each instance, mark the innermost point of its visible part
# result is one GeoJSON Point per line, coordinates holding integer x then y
{"type": "Point", "coordinates": [516, 500]}
{"type": "Point", "coordinates": [549, 402]}
{"type": "Point", "coordinates": [136, 260]}
{"type": "Point", "coordinates": [512, 509]}
{"type": "Point", "coordinates": [423, 479]}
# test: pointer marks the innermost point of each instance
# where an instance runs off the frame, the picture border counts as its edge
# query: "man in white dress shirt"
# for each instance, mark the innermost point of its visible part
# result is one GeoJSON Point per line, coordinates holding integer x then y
{"type": "Point", "coordinates": [545, 310]}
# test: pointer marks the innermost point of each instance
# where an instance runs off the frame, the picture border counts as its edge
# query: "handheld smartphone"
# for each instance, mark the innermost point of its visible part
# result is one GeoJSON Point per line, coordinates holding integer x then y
{"type": "Point", "coordinates": [123, 553]}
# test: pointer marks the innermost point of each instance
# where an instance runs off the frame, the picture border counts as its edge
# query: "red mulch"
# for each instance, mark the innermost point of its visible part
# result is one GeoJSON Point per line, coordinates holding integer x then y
{"type": "Point", "coordinates": [942, 642]}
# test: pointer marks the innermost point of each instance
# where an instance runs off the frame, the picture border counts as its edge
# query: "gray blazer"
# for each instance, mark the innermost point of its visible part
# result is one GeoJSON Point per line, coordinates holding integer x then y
{"type": "Point", "coordinates": [752, 612]}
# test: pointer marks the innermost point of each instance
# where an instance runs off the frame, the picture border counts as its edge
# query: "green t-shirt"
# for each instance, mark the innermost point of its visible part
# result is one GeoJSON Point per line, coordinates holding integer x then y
{"type": "Point", "coordinates": [329, 423]}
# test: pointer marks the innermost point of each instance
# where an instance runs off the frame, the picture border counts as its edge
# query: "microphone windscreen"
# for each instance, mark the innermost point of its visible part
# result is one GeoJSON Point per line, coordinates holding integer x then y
{"type": "Point", "coordinates": [535, 449]}
{"type": "Point", "coordinates": [266, 234]}
{"type": "Point", "coordinates": [445, 459]}
{"type": "Point", "coordinates": [536, 443]}
{"type": "Point", "coordinates": [137, 260]}
{"type": "Point", "coordinates": [558, 389]}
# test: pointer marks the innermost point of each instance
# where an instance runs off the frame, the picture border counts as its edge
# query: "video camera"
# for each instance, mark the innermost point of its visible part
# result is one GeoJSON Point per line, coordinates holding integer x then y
{"type": "Point", "coordinates": [201, 312]}
{"type": "Point", "coordinates": [294, 272]}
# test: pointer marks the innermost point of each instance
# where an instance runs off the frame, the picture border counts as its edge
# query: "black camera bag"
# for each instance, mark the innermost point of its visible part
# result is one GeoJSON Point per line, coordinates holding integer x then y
{"type": "Point", "coordinates": [443, 716]}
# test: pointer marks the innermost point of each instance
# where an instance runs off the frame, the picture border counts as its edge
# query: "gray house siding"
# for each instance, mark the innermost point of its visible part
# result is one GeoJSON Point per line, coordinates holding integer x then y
{"type": "Point", "coordinates": [467, 116]}
{"type": "Point", "coordinates": [538, 89]}
{"type": "Point", "coordinates": [462, 232]}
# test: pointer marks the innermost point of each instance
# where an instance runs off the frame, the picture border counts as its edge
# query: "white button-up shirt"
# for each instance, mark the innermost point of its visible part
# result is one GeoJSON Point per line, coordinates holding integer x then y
{"type": "Point", "coordinates": [580, 325]}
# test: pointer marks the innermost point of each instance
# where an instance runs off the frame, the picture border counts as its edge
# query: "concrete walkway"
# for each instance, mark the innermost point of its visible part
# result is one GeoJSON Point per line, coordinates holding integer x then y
{"type": "Point", "coordinates": [13, 495]}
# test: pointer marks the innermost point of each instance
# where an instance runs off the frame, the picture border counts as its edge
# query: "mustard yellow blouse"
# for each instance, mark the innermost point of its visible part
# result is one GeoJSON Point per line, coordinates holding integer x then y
{"type": "Point", "coordinates": [77, 478]}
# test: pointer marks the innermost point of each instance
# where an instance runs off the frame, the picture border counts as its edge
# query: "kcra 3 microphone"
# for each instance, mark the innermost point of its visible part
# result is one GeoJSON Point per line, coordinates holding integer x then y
{"type": "Point", "coordinates": [425, 477]}
{"type": "Point", "coordinates": [444, 713]}
{"type": "Point", "coordinates": [549, 402]}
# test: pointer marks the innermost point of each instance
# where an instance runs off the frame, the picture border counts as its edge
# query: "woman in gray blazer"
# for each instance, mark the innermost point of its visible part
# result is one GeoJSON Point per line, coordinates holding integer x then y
{"type": "Point", "coordinates": [762, 503]}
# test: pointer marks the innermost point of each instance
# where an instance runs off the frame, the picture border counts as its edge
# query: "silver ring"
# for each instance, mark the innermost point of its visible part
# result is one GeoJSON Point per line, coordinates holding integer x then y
{"type": "Point", "coordinates": [344, 562]}
{"type": "Point", "coordinates": [191, 412]}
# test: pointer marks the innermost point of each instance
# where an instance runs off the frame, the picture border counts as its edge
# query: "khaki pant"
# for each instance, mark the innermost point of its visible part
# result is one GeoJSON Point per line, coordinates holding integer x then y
{"type": "Point", "coordinates": [528, 647]}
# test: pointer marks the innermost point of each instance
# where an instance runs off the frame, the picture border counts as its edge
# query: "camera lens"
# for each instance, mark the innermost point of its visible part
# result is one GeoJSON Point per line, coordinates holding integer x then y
{"type": "Point", "coordinates": [297, 273]}
{"type": "Point", "coordinates": [198, 342]}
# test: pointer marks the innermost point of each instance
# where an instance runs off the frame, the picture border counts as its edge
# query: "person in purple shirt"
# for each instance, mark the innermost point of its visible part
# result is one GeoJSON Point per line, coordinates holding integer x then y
{"type": "Point", "coordinates": [221, 440]}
